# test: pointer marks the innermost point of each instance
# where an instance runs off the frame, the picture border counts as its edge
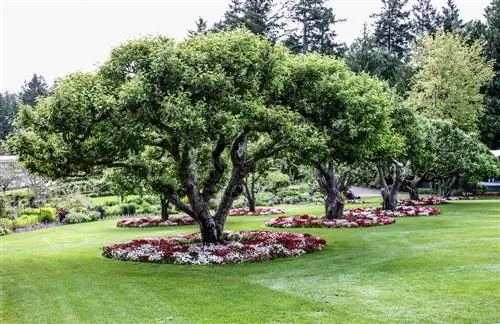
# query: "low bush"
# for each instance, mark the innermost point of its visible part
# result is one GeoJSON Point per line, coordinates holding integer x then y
{"type": "Point", "coordinates": [113, 211]}
{"type": "Point", "coordinates": [47, 215]}
{"type": "Point", "coordinates": [26, 220]}
{"type": "Point", "coordinates": [5, 226]}
{"type": "Point", "coordinates": [146, 208]}
{"type": "Point", "coordinates": [128, 209]}
{"type": "Point", "coordinates": [75, 218]}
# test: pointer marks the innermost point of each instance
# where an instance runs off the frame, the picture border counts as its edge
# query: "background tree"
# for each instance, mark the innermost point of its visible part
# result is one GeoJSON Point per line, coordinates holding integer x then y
{"type": "Point", "coordinates": [425, 18]}
{"type": "Point", "coordinates": [313, 29]}
{"type": "Point", "coordinates": [393, 28]}
{"type": "Point", "coordinates": [35, 88]}
{"type": "Point", "coordinates": [261, 17]}
{"type": "Point", "coordinates": [451, 17]}
{"type": "Point", "coordinates": [490, 121]}
{"type": "Point", "coordinates": [8, 111]}
{"type": "Point", "coordinates": [201, 27]}
{"type": "Point", "coordinates": [449, 79]}
{"type": "Point", "coordinates": [364, 55]}
{"type": "Point", "coordinates": [9, 172]}
{"type": "Point", "coordinates": [199, 101]}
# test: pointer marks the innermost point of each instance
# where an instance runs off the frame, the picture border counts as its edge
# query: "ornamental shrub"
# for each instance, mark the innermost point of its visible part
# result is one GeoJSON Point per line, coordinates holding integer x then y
{"type": "Point", "coordinates": [75, 218]}
{"type": "Point", "coordinates": [26, 220]}
{"type": "Point", "coordinates": [113, 210]}
{"type": "Point", "coordinates": [5, 226]}
{"type": "Point", "coordinates": [146, 208]}
{"type": "Point", "coordinates": [47, 215]}
{"type": "Point", "coordinates": [128, 209]}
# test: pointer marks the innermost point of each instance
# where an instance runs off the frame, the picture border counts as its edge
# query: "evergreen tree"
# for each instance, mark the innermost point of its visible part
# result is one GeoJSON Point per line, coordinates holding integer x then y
{"type": "Point", "coordinates": [314, 31]}
{"type": "Point", "coordinates": [451, 17]}
{"type": "Point", "coordinates": [490, 121]}
{"type": "Point", "coordinates": [261, 17]}
{"type": "Point", "coordinates": [201, 27]}
{"type": "Point", "coordinates": [392, 27]}
{"type": "Point", "coordinates": [364, 56]}
{"type": "Point", "coordinates": [8, 111]}
{"type": "Point", "coordinates": [36, 87]}
{"type": "Point", "coordinates": [425, 18]}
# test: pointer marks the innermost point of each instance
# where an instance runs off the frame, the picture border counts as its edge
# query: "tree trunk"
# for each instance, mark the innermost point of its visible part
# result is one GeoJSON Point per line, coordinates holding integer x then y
{"type": "Point", "coordinates": [334, 206]}
{"type": "Point", "coordinates": [449, 185]}
{"type": "Point", "coordinates": [390, 199]}
{"type": "Point", "coordinates": [164, 208]}
{"type": "Point", "coordinates": [249, 192]}
{"type": "Point", "coordinates": [413, 193]}
{"type": "Point", "coordinates": [210, 232]}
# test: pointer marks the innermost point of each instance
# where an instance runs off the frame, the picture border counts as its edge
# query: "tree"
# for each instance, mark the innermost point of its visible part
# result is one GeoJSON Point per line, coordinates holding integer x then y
{"type": "Point", "coordinates": [35, 88]}
{"type": "Point", "coordinates": [8, 110]}
{"type": "Point", "coordinates": [352, 111]}
{"type": "Point", "coordinates": [425, 18]}
{"type": "Point", "coordinates": [125, 181]}
{"type": "Point", "coordinates": [314, 31]}
{"type": "Point", "coordinates": [392, 27]}
{"type": "Point", "coordinates": [10, 171]}
{"type": "Point", "coordinates": [449, 79]}
{"type": "Point", "coordinates": [261, 17]}
{"type": "Point", "coordinates": [451, 17]}
{"type": "Point", "coordinates": [199, 101]}
{"type": "Point", "coordinates": [490, 121]}
{"type": "Point", "coordinates": [365, 56]}
{"type": "Point", "coordinates": [447, 153]}
{"type": "Point", "coordinates": [201, 27]}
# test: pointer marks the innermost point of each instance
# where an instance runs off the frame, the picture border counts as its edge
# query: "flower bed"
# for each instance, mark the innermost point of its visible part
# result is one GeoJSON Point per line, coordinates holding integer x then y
{"type": "Point", "coordinates": [258, 211]}
{"type": "Point", "coordinates": [155, 221]}
{"type": "Point", "coordinates": [433, 200]}
{"type": "Point", "coordinates": [244, 246]}
{"type": "Point", "coordinates": [34, 227]}
{"type": "Point", "coordinates": [401, 211]}
{"type": "Point", "coordinates": [311, 221]}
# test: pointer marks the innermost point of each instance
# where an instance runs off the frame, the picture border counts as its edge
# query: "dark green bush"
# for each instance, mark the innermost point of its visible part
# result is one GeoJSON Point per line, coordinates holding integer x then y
{"type": "Point", "coordinates": [5, 226]}
{"type": "Point", "coordinates": [128, 209]}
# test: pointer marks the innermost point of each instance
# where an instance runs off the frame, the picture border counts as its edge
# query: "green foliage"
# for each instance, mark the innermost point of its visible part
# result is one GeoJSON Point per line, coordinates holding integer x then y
{"type": "Point", "coordinates": [128, 209]}
{"type": "Point", "coordinates": [26, 220]}
{"type": "Point", "coordinates": [425, 18]}
{"type": "Point", "coordinates": [43, 215]}
{"type": "Point", "coordinates": [34, 89]}
{"type": "Point", "coordinates": [76, 218]}
{"type": "Point", "coordinates": [8, 110]}
{"type": "Point", "coordinates": [451, 17]}
{"type": "Point", "coordinates": [449, 80]}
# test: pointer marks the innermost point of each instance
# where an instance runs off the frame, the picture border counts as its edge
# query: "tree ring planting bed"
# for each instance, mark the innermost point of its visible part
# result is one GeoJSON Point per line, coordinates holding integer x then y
{"type": "Point", "coordinates": [401, 211]}
{"type": "Point", "coordinates": [240, 247]}
{"type": "Point", "coordinates": [311, 221]}
{"type": "Point", "coordinates": [432, 200]}
{"type": "Point", "coordinates": [258, 211]}
{"type": "Point", "coordinates": [155, 221]}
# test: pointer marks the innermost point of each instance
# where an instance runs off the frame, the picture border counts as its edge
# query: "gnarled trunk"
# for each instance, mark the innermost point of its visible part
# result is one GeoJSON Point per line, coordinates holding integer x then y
{"type": "Point", "coordinates": [390, 199]}
{"type": "Point", "coordinates": [330, 186]}
{"type": "Point", "coordinates": [164, 208]}
{"type": "Point", "coordinates": [389, 192]}
{"type": "Point", "coordinates": [449, 185]}
{"type": "Point", "coordinates": [249, 192]}
{"type": "Point", "coordinates": [413, 186]}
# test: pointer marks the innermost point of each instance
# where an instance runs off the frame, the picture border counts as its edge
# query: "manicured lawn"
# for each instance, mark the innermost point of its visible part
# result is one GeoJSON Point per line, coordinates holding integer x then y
{"type": "Point", "coordinates": [439, 269]}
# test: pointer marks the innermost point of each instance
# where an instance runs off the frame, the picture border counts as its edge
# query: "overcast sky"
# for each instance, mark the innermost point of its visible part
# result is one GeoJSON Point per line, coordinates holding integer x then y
{"type": "Point", "coordinates": [57, 37]}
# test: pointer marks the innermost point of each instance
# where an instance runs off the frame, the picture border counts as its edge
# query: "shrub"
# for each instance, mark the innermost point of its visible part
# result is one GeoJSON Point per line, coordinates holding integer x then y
{"type": "Point", "coordinates": [5, 226]}
{"type": "Point", "coordinates": [61, 214]}
{"type": "Point", "coordinates": [75, 218]}
{"type": "Point", "coordinates": [128, 209]}
{"type": "Point", "coordinates": [113, 210]}
{"type": "Point", "coordinates": [212, 204]}
{"type": "Point", "coordinates": [26, 220]}
{"type": "Point", "coordinates": [47, 215]}
{"type": "Point", "coordinates": [147, 209]}
{"type": "Point", "coordinates": [110, 203]}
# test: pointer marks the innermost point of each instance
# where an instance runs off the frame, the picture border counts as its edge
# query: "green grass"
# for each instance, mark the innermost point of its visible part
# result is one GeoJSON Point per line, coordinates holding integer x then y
{"type": "Point", "coordinates": [441, 269]}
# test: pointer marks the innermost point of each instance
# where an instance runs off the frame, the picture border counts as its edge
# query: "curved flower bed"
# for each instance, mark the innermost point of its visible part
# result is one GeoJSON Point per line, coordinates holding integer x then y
{"type": "Point", "coordinates": [433, 200]}
{"type": "Point", "coordinates": [258, 211]}
{"type": "Point", "coordinates": [311, 221]}
{"type": "Point", "coordinates": [401, 211]}
{"type": "Point", "coordinates": [155, 222]}
{"type": "Point", "coordinates": [243, 246]}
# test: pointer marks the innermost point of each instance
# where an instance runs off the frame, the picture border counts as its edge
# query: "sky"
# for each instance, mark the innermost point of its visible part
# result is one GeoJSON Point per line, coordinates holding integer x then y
{"type": "Point", "coordinates": [57, 37]}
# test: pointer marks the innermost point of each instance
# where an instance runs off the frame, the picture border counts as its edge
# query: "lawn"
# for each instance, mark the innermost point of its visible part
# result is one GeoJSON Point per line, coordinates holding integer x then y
{"type": "Point", "coordinates": [441, 269]}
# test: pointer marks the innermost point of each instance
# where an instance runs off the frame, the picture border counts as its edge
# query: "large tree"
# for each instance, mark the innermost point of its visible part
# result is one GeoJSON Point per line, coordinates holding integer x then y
{"type": "Point", "coordinates": [199, 101]}
{"type": "Point", "coordinates": [313, 29]}
{"type": "Point", "coordinates": [351, 110]}
{"type": "Point", "coordinates": [451, 17]}
{"type": "Point", "coordinates": [364, 55]}
{"type": "Point", "coordinates": [393, 28]}
{"type": "Point", "coordinates": [33, 89]}
{"type": "Point", "coordinates": [425, 18]}
{"type": "Point", "coordinates": [449, 79]}
{"type": "Point", "coordinates": [490, 122]}
{"type": "Point", "coordinates": [8, 110]}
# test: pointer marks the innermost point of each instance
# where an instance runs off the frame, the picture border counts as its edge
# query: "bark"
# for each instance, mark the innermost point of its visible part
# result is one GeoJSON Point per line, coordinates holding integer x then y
{"type": "Point", "coordinates": [164, 208]}
{"type": "Point", "coordinates": [330, 186]}
{"type": "Point", "coordinates": [413, 186]}
{"type": "Point", "coordinates": [389, 192]}
{"type": "Point", "coordinates": [249, 193]}
{"type": "Point", "coordinates": [449, 185]}
{"type": "Point", "coordinates": [413, 193]}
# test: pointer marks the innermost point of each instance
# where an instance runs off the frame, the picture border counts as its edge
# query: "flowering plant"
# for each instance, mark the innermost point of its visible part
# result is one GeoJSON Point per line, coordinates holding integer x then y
{"type": "Point", "coordinates": [258, 211]}
{"type": "Point", "coordinates": [155, 221]}
{"type": "Point", "coordinates": [356, 201]}
{"type": "Point", "coordinates": [401, 211]}
{"type": "Point", "coordinates": [432, 200]}
{"type": "Point", "coordinates": [243, 246]}
{"type": "Point", "coordinates": [311, 221]}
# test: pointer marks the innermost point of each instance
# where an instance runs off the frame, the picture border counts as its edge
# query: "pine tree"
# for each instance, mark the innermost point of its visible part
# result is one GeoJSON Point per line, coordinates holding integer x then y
{"type": "Point", "coordinates": [490, 121]}
{"type": "Point", "coordinates": [425, 18]}
{"type": "Point", "coordinates": [392, 27]}
{"type": "Point", "coordinates": [451, 17]}
{"type": "Point", "coordinates": [36, 87]}
{"type": "Point", "coordinates": [315, 28]}
{"type": "Point", "coordinates": [201, 27]}
{"type": "Point", "coordinates": [8, 111]}
{"type": "Point", "coordinates": [261, 17]}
